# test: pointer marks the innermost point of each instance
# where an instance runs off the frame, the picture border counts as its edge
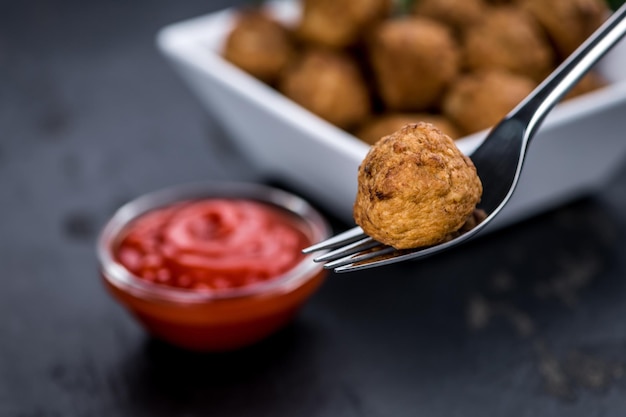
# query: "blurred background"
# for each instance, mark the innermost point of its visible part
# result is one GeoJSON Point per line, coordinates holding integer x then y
{"type": "Point", "coordinates": [524, 322]}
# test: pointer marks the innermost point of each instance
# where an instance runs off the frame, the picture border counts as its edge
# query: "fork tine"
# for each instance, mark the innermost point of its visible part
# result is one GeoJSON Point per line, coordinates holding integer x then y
{"type": "Point", "coordinates": [360, 257]}
{"type": "Point", "coordinates": [350, 249]}
{"type": "Point", "coordinates": [390, 255]}
{"type": "Point", "coordinates": [341, 239]}
{"type": "Point", "coordinates": [365, 265]}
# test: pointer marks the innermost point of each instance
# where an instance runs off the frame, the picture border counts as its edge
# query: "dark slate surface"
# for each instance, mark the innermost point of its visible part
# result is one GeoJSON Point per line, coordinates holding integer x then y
{"type": "Point", "coordinates": [529, 321]}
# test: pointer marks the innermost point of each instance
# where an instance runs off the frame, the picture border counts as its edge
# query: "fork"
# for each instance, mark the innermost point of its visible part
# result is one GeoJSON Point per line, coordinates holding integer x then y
{"type": "Point", "coordinates": [498, 159]}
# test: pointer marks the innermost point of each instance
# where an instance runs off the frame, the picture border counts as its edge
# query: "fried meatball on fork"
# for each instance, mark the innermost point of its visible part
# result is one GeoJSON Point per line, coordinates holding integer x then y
{"type": "Point", "coordinates": [498, 159]}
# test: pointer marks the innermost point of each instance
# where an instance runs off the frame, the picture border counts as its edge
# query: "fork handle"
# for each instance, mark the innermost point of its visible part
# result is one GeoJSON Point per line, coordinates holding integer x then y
{"type": "Point", "coordinates": [538, 104]}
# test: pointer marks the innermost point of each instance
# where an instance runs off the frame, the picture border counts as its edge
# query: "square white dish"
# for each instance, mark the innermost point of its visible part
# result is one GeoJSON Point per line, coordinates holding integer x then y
{"type": "Point", "coordinates": [580, 144]}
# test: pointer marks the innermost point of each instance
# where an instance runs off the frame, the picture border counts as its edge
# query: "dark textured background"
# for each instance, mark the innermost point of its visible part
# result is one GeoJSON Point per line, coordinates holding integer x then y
{"type": "Point", "coordinates": [530, 321]}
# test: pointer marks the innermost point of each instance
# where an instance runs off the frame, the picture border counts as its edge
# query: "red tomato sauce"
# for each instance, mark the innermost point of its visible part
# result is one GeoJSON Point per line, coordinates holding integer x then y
{"type": "Point", "coordinates": [212, 244]}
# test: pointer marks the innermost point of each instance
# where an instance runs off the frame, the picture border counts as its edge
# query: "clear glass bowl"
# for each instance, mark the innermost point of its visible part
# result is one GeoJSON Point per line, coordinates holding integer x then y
{"type": "Point", "coordinates": [223, 319]}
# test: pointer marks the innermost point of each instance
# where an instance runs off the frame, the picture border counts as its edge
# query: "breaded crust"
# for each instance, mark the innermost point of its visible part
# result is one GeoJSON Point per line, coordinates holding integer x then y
{"type": "Point", "coordinates": [415, 188]}
{"type": "Point", "coordinates": [339, 23]}
{"type": "Point", "coordinates": [330, 85]}
{"type": "Point", "coordinates": [568, 22]}
{"type": "Point", "coordinates": [477, 101]}
{"type": "Point", "coordinates": [259, 45]}
{"type": "Point", "coordinates": [458, 14]}
{"type": "Point", "coordinates": [510, 39]}
{"type": "Point", "coordinates": [383, 125]}
{"type": "Point", "coordinates": [413, 61]}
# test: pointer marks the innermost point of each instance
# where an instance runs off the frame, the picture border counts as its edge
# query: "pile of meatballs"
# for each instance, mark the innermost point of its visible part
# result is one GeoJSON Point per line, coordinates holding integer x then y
{"type": "Point", "coordinates": [369, 69]}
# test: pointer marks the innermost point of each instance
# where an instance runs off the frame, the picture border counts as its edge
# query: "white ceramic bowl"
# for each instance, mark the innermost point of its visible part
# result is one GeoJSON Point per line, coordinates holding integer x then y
{"type": "Point", "coordinates": [577, 149]}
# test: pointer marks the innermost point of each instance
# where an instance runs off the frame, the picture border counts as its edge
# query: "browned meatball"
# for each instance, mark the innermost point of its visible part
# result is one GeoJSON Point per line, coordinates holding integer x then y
{"type": "Point", "coordinates": [259, 45]}
{"type": "Point", "coordinates": [386, 124]}
{"type": "Point", "coordinates": [330, 85]}
{"type": "Point", "coordinates": [502, 2]}
{"type": "Point", "coordinates": [458, 14]}
{"type": "Point", "coordinates": [413, 60]}
{"type": "Point", "coordinates": [568, 22]}
{"type": "Point", "coordinates": [415, 188]}
{"type": "Point", "coordinates": [479, 100]}
{"type": "Point", "coordinates": [509, 39]}
{"type": "Point", "coordinates": [339, 23]}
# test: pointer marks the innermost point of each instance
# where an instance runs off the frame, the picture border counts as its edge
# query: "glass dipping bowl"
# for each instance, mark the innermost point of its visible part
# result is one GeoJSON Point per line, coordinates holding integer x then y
{"type": "Point", "coordinates": [221, 319]}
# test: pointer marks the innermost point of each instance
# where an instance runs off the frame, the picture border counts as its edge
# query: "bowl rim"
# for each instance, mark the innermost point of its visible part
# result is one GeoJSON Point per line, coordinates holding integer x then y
{"type": "Point", "coordinates": [181, 41]}
{"type": "Point", "coordinates": [118, 276]}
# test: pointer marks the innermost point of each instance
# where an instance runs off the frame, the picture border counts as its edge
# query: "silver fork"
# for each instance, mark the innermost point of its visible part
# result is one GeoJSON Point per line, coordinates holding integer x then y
{"type": "Point", "coordinates": [498, 160]}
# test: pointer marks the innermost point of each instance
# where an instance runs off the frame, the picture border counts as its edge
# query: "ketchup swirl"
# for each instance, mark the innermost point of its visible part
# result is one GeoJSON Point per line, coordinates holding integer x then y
{"type": "Point", "coordinates": [212, 244]}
